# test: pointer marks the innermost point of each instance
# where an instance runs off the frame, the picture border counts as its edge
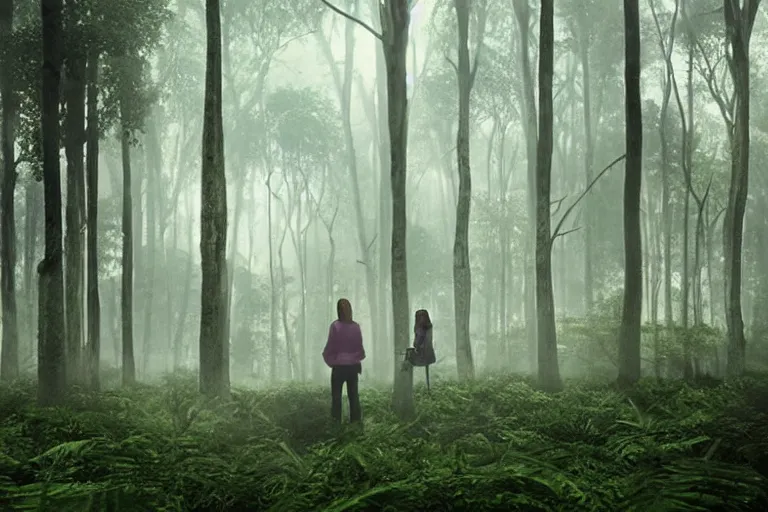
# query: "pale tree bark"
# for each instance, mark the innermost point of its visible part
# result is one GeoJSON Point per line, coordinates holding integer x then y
{"type": "Point", "coordinates": [292, 365]}
{"type": "Point", "coordinates": [462, 275]}
{"type": "Point", "coordinates": [32, 210]}
{"type": "Point", "coordinates": [739, 20]}
{"type": "Point", "coordinates": [589, 157]}
{"type": "Point", "coordinates": [395, 19]}
{"type": "Point", "coordinates": [214, 348]}
{"type": "Point", "coordinates": [51, 352]}
{"type": "Point", "coordinates": [548, 368]}
{"type": "Point", "coordinates": [666, 208]}
{"type": "Point", "coordinates": [523, 14]}
{"type": "Point", "coordinates": [629, 333]}
{"type": "Point", "coordinates": [343, 82]}
{"type": "Point", "coordinates": [152, 170]}
{"type": "Point", "coordinates": [9, 353]}
{"type": "Point", "coordinates": [74, 138]}
{"type": "Point", "coordinates": [272, 286]}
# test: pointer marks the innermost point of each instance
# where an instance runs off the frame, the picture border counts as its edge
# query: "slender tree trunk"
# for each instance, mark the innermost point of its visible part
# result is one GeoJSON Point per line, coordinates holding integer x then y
{"type": "Point", "coordinates": [589, 152]}
{"type": "Point", "coordinates": [385, 208]}
{"type": "Point", "coordinates": [32, 206]}
{"type": "Point", "coordinates": [395, 20]}
{"type": "Point", "coordinates": [178, 339]}
{"type": "Point", "coordinates": [74, 139]}
{"type": "Point", "coordinates": [523, 14]}
{"type": "Point", "coordinates": [629, 334]}
{"type": "Point", "coordinates": [462, 276]}
{"type": "Point", "coordinates": [126, 302]}
{"type": "Point", "coordinates": [92, 182]}
{"type": "Point", "coordinates": [51, 352]}
{"type": "Point", "coordinates": [9, 353]}
{"type": "Point", "coordinates": [152, 169]}
{"type": "Point", "coordinates": [548, 368]}
{"type": "Point", "coordinates": [214, 348]}
{"type": "Point", "coordinates": [274, 297]}
{"type": "Point", "coordinates": [344, 88]}
{"type": "Point", "coordinates": [666, 204]}
{"type": "Point", "coordinates": [709, 241]}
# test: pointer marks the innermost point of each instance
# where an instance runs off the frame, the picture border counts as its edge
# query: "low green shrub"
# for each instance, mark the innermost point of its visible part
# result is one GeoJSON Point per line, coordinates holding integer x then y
{"type": "Point", "coordinates": [492, 444]}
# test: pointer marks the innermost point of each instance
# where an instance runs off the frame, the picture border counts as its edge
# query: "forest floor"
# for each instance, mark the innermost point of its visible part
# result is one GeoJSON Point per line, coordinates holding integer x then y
{"type": "Point", "coordinates": [495, 444]}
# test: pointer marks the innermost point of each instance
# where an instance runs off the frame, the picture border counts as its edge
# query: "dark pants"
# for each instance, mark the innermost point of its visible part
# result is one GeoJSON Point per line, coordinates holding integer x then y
{"type": "Point", "coordinates": [341, 375]}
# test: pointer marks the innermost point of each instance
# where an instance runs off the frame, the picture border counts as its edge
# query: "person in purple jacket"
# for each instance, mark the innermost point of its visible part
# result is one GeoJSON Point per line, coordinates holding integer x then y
{"type": "Point", "coordinates": [344, 354]}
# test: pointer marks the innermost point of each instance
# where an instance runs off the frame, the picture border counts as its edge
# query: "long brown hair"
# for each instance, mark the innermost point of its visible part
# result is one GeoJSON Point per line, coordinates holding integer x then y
{"type": "Point", "coordinates": [422, 320]}
{"type": "Point", "coordinates": [344, 310]}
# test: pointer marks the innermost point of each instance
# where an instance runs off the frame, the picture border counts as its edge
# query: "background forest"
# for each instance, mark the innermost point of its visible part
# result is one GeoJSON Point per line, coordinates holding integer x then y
{"type": "Point", "coordinates": [566, 187]}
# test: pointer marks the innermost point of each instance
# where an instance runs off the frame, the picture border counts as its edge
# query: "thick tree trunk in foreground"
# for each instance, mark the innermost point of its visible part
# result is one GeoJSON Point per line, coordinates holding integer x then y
{"type": "Point", "coordinates": [739, 20]}
{"type": "Point", "coordinates": [9, 354]}
{"type": "Point", "coordinates": [548, 367]}
{"type": "Point", "coordinates": [51, 365]}
{"type": "Point", "coordinates": [214, 348]}
{"type": "Point", "coordinates": [629, 334]}
{"type": "Point", "coordinates": [92, 205]}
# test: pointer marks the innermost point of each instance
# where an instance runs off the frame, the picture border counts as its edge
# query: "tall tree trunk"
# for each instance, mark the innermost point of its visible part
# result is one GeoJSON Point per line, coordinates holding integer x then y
{"type": "Point", "coordinates": [385, 208]}
{"type": "Point", "coordinates": [126, 293]}
{"type": "Point", "coordinates": [739, 20]}
{"type": "Point", "coordinates": [629, 334]}
{"type": "Point", "coordinates": [181, 321]}
{"type": "Point", "coordinates": [74, 139]}
{"type": "Point", "coordinates": [666, 206]}
{"type": "Point", "coordinates": [92, 182]}
{"type": "Point", "coordinates": [9, 353]}
{"type": "Point", "coordinates": [523, 14]}
{"type": "Point", "coordinates": [344, 88]}
{"type": "Point", "coordinates": [152, 170]}
{"type": "Point", "coordinates": [589, 156]}
{"type": "Point", "coordinates": [51, 352]}
{"type": "Point", "coordinates": [462, 274]}
{"type": "Point", "coordinates": [274, 297]}
{"type": "Point", "coordinates": [32, 207]}
{"type": "Point", "coordinates": [503, 354]}
{"type": "Point", "coordinates": [395, 20]}
{"type": "Point", "coordinates": [214, 348]}
{"type": "Point", "coordinates": [548, 368]}
{"type": "Point", "coordinates": [710, 261]}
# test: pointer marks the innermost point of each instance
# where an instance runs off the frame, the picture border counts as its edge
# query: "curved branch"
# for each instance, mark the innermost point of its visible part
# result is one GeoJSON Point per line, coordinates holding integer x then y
{"type": "Point", "coordinates": [559, 226]}
{"type": "Point", "coordinates": [353, 19]}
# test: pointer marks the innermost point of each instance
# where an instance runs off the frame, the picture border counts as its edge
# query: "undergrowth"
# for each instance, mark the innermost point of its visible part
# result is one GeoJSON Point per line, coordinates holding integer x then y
{"type": "Point", "coordinates": [494, 444]}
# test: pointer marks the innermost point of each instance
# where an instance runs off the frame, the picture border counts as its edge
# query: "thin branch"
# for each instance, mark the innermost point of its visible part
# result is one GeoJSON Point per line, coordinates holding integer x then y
{"type": "Point", "coordinates": [367, 249]}
{"type": "Point", "coordinates": [582, 195]}
{"type": "Point", "coordinates": [453, 64]}
{"type": "Point", "coordinates": [565, 233]}
{"type": "Point", "coordinates": [557, 203]}
{"type": "Point", "coordinates": [353, 19]}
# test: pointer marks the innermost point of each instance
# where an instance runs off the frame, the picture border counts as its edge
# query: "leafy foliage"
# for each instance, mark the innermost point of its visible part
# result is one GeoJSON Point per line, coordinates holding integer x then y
{"type": "Point", "coordinates": [495, 444]}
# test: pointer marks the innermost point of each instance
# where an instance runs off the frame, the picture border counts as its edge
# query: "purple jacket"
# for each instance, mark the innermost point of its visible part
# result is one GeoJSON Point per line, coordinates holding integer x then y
{"type": "Point", "coordinates": [345, 345]}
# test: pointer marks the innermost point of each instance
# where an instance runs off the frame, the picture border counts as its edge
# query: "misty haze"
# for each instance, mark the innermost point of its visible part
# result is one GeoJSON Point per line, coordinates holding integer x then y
{"type": "Point", "coordinates": [397, 255]}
